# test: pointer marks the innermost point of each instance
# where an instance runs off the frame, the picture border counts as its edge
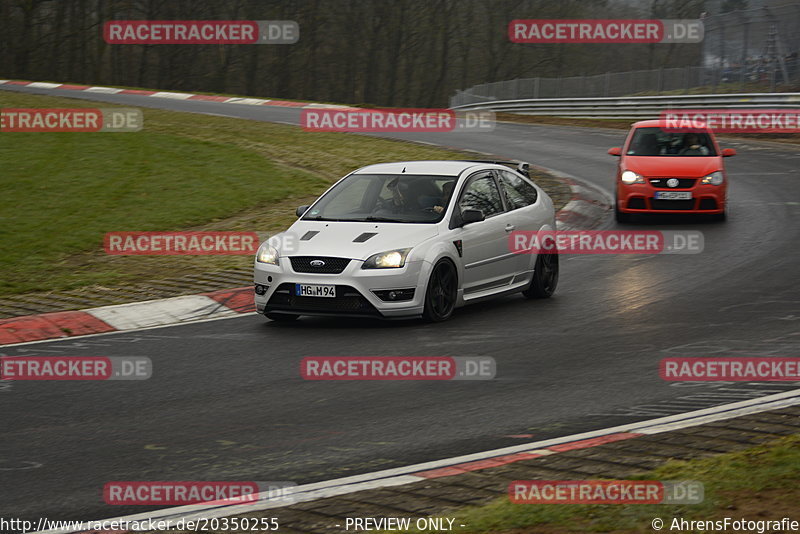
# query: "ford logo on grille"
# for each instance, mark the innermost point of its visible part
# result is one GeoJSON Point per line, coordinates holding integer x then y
{"type": "Point", "coordinates": [673, 182]}
{"type": "Point", "coordinates": [317, 263]}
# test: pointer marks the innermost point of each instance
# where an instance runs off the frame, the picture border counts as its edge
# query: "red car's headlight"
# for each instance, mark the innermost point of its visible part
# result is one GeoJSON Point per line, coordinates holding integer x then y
{"type": "Point", "coordinates": [715, 178]}
{"type": "Point", "coordinates": [630, 177]}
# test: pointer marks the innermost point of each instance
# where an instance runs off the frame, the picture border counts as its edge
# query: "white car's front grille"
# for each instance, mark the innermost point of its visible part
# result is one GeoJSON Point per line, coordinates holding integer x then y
{"type": "Point", "coordinates": [318, 264]}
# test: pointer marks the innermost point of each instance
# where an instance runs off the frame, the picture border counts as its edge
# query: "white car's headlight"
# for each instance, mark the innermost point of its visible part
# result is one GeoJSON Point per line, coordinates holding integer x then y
{"type": "Point", "coordinates": [268, 254]}
{"type": "Point", "coordinates": [715, 178]}
{"type": "Point", "coordinates": [391, 259]}
{"type": "Point", "coordinates": [630, 177]}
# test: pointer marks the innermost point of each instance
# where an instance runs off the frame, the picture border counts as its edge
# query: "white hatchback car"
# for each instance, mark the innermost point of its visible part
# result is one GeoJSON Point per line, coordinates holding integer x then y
{"type": "Point", "coordinates": [408, 239]}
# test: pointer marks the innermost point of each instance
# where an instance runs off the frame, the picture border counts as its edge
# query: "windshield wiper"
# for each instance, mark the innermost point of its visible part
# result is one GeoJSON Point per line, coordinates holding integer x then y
{"type": "Point", "coordinates": [383, 219]}
{"type": "Point", "coordinates": [371, 218]}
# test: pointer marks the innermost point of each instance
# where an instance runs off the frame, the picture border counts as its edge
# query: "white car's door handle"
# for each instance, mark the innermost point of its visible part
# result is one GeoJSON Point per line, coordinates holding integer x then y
{"type": "Point", "coordinates": [510, 227]}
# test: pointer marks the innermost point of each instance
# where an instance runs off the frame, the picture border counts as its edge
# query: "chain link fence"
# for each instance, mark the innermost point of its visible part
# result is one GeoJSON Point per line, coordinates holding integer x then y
{"type": "Point", "coordinates": [755, 45]}
{"type": "Point", "coordinates": [753, 50]}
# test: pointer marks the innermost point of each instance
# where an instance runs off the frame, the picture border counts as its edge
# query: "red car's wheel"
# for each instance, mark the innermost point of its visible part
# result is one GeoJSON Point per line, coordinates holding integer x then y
{"type": "Point", "coordinates": [621, 217]}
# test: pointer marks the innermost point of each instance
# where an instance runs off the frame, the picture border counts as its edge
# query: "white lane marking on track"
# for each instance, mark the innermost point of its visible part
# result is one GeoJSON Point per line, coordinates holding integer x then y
{"type": "Point", "coordinates": [20, 465]}
{"type": "Point", "coordinates": [404, 475]}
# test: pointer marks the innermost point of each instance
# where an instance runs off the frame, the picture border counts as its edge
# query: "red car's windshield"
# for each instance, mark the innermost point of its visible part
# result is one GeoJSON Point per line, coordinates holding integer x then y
{"type": "Point", "coordinates": [654, 141]}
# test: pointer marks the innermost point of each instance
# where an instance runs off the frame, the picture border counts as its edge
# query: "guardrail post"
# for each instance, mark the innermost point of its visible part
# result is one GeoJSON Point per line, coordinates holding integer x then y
{"type": "Point", "coordinates": [713, 79]}
{"type": "Point", "coordinates": [686, 80]}
{"type": "Point", "coordinates": [743, 68]}
{"type": "Point", "coordinates": [660, 81]}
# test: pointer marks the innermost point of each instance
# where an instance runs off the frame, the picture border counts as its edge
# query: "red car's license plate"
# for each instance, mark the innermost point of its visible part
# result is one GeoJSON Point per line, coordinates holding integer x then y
{"type": "Point", "coordinates": [673, 195]}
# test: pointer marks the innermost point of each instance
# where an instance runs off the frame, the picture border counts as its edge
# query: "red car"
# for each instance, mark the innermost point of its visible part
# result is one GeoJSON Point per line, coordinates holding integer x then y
{"type": "Point", "coordinates": [666, 170]}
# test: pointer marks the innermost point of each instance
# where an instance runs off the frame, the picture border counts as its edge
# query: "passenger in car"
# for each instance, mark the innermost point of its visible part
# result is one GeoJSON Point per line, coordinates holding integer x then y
{"type": "Point", "coordinates": [447, 192]}
{"type": "Point", "coordinates": [693, 147]}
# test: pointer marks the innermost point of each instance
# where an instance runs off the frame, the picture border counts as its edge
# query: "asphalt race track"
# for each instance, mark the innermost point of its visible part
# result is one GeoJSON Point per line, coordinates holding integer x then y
{"type": "Point", "coordinates": [226, 401]}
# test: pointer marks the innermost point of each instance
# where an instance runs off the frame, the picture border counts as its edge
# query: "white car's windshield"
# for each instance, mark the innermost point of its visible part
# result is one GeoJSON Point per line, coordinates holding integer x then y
{"type": "Point", "coordinates": [385, 197]}
{"type": "Point", "coordinates": [654, 141]}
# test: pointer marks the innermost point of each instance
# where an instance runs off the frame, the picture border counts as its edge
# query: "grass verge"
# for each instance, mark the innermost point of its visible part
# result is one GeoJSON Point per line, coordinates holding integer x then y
{"type": "Point", "coordinates": [759, 483]}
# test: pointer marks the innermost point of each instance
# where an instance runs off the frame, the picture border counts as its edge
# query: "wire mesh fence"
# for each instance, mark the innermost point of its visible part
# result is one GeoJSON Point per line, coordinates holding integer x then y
{"type": "Point", "coordinates": [755, 45]}
{"type": "Point", "coordinates": [744, 50]}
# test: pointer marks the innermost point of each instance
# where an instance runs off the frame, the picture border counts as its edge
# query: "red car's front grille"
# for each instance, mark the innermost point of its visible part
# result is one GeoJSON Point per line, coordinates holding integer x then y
{"type": "Point", "coordinates": [661, 182]}
{"type": "Point", "coordinates": [681, 205]}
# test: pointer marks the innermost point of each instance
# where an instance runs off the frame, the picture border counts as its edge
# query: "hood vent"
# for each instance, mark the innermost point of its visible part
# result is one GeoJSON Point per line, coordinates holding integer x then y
{"type": "Point", "coordinates": [363, 237]}
{"type": "Point", "coordinates": [308, 235]}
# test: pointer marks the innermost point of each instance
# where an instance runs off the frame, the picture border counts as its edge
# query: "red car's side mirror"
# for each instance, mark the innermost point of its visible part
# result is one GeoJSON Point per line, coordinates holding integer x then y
{"type": "Point", "coordinates": [726, 152]}
{"type": "Point", "coordinates": [617, 151]}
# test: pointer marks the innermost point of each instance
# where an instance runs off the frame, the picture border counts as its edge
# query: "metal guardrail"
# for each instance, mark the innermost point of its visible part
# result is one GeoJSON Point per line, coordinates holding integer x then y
{"type": "Point", "coordinates": [636, 107]}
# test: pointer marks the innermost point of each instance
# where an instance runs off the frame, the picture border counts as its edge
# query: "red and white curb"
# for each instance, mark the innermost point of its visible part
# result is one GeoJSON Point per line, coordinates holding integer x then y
{"type": "Point", "coordinates": [172, 95]}
{"type": "Point", "coordinates": [588, 206]}
{"type": "Point", "coordinates": [136, 315]}
{"type": "Point", "coordinates": [472, 462]}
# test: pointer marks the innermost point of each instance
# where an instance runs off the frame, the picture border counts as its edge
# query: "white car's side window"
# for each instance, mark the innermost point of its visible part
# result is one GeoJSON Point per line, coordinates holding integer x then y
{"type": "Point", "coordinates": [482, 194]}
{"type": "Point", "coordinates": [518, 192]}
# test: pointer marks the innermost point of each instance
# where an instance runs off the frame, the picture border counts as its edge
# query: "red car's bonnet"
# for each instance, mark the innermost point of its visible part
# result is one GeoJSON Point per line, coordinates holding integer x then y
{"type": "Point", "coordinates": [677, 166]}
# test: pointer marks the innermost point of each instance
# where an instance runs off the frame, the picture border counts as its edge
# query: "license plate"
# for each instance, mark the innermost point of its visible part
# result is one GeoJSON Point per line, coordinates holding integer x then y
{"type": "Point", "coordinates": [314, 290]}
{"type": "Point", "coordinates": [673, 195]}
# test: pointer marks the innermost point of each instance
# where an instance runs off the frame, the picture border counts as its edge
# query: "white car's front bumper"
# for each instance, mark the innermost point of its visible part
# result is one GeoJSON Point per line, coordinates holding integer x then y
{"type": "Point", "coordinates": [359, 300]}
